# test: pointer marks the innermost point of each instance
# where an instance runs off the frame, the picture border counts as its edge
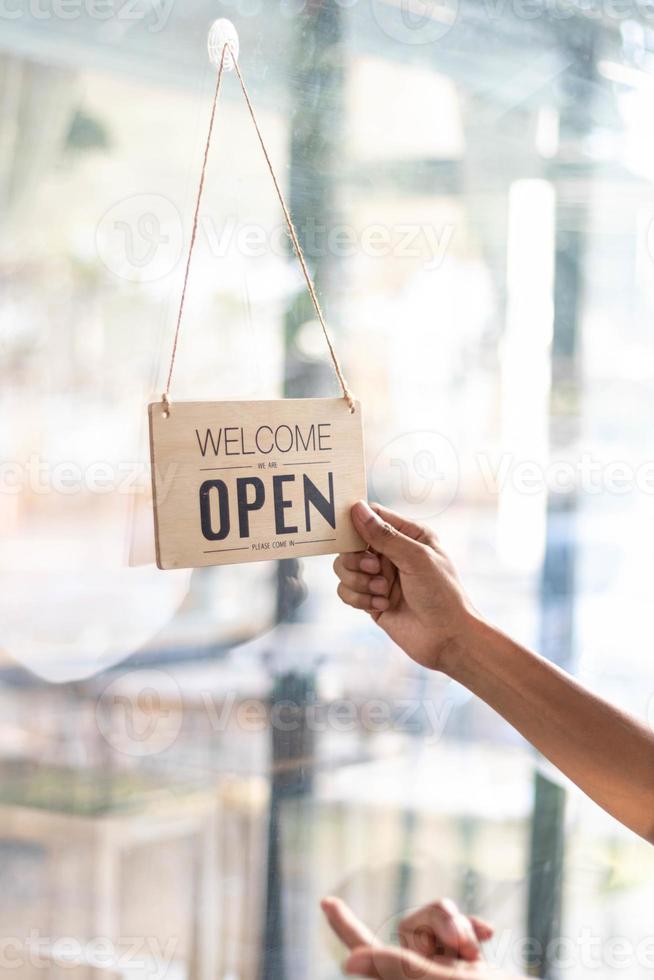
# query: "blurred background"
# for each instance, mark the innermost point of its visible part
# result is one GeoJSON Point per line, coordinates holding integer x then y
{"type": "Point", "coordinates": [190, 760]}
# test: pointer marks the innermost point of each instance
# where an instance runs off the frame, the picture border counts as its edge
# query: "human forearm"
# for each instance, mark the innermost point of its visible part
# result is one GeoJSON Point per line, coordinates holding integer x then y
{"type": "Point", "coordinates": [410, 587]}
{"type": "Point", "coordinates": [606, 753]}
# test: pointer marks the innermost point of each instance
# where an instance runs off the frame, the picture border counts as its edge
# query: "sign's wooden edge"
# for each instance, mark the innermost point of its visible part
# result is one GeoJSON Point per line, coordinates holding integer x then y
{"type": "Point", "coordinates": [155, 509]}
{"type": "Point", "coordinates": [152, 406]}
{"type": "Point", "coordinates": [259, 401]}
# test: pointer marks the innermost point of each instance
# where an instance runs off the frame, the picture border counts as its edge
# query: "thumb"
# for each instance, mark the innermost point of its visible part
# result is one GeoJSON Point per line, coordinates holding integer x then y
{"type": "Point", "coordinates": [391, 963]}
{"type": "Point", "coordinates": [386, 539]}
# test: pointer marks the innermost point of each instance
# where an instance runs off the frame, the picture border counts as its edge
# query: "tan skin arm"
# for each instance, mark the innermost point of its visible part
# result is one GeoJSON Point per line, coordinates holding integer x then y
{"type": "Point", "coordinates": [412, 590]}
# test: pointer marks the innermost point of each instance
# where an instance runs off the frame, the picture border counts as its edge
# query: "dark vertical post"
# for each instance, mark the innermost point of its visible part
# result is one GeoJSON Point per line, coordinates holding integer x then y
{"type": "Point", "coordinates": [315, 84]}
{"type": "Point", "coordinates": [557, 595]}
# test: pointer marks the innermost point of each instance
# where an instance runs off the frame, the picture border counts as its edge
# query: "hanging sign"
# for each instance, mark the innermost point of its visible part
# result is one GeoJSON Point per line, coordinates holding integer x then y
{"type": "Point", "coordinates": [240, 481]}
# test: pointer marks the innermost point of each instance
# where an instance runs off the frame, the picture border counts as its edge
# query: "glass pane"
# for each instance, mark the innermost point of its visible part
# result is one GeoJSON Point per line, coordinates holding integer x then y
{"type": "Point", "coordinates": [190, 760]}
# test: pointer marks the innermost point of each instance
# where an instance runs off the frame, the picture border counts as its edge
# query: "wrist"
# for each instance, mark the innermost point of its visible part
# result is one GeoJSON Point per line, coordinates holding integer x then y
{"type": "Point", "coordinates": [458, 656]}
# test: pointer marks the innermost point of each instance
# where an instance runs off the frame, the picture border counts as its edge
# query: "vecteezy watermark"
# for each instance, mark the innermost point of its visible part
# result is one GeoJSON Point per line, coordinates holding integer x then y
{"type": "Point", "coordinates": [591, 951]}
{"type": "Point", "coordinates": [584, 474]}
{"type": "Point", "coordinates": [39, 476]}
{"type": "Point", "coordinates": [419, 468]}
{"type": "Point", "coordinates": [510, 950]}
{"type": "Point", "coordinates": [585, 950]}
{"type": "Point", "coordinates": [339, 240]}
{"type": "Point", "coordinates": [422, 471]}
{"type": "Point", "coordinates": [415, 21]}
{"type": "Point", "coordinates": [141, 238]}
{"type": "Point", "coordinates": [410, 21]}
{"type": "Point", "coordinates": [374, 716]}
{"type": "Point", "coordinates": [153, 13]}
{"type": "Point", "coordinates": [146, 955]}
{"type": "Point", "coordinates": [558, 10]}
{"type": "Point", "coordinates": [140, 713]}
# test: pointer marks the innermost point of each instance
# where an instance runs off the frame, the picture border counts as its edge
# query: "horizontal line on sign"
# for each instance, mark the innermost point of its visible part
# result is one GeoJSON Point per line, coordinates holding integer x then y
{"type": "Point", "coordinates": [310, 462]}
{"type": "Point", "coordinates": [214, 551]}
{"type": "Point", "coordinates": [205, 469]}
{"type": "Point", "coordinates": [316, 541]}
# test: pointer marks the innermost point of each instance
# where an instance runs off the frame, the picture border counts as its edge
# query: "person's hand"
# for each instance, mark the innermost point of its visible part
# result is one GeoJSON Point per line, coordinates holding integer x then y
{"type": "Point", "coordinates": [438, 943]}
{"type": "Point", "coordinates": [407, 583]}
{"type": "Point", "coordinates": [437, 929]}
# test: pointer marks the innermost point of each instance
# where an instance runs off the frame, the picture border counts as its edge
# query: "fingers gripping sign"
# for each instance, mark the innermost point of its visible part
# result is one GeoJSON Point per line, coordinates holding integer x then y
{"type": "Point", "coordinates": [385, 537]}
{"type": "Point", "coordinates": [407, 583]}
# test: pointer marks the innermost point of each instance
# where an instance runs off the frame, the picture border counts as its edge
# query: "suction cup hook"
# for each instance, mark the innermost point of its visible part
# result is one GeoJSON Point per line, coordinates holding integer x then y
{"type": "Point", "coordinates": [221, 33]}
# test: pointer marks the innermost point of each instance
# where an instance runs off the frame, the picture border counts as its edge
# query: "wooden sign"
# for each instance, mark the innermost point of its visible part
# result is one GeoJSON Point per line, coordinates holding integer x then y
{"type": "Point", "coordinates": [241, 481]}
